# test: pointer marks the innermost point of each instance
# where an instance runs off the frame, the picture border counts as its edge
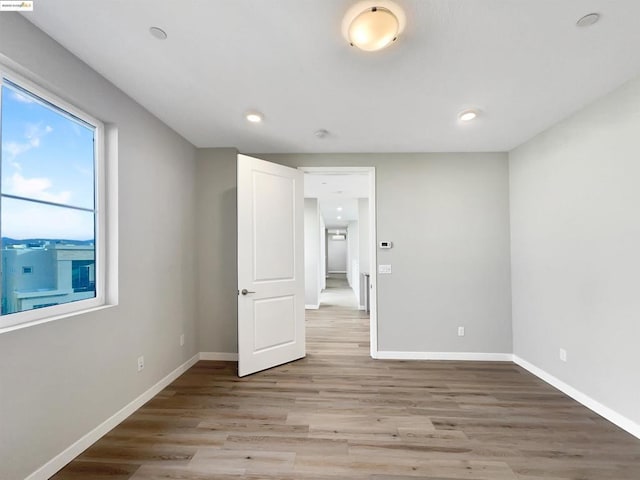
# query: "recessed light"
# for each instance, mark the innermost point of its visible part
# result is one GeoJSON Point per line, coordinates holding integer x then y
{"type": "Point", "coordinates": [588, 20]}
{"type": "Point", "coordinates": [467, 115]}
{"type": "Point", "coordinates": [254, 117]}
{"type": "Point", "coordinates": [339, 217]}
{"type": "Point", "coordinates": [158, 33]}
{"type": "Point", "coordinates": [339, 209]}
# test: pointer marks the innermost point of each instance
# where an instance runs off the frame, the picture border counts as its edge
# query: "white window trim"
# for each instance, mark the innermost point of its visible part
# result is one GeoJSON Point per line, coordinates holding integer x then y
{"type": "Point", "coordinates": [28, 318]}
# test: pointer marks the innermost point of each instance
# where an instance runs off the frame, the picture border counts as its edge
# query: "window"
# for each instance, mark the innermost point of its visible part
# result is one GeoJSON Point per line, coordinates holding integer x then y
{"type": "Point", "coordinates": [51, 225]}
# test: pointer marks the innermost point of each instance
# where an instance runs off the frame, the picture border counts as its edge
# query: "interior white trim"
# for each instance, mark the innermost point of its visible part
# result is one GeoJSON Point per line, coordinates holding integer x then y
{"type": "Point", "coordinates": [59, 461]}
{"type": "Point", "coordinates": [614, 417]}
{"type": "Point", "coordinates": [220, 356]}
{"type": "Point", "coordinates": [312, 307]}
{"type": "Point", "coordinates": [373, 265]}
{"type": "Point", "coordinates": [465, 356]}
{"type": "Point", "coordinates": [373, 245]}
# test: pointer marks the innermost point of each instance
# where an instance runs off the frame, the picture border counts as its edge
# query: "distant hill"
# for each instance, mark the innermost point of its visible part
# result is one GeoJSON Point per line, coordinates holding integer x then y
{"type": "Point", "coordinates": [6, 241]}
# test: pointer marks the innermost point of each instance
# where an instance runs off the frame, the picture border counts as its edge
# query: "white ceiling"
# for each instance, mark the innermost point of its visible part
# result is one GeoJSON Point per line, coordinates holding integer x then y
{"type": "Point", "coordinates": [330, 212]}
{"type": "Point", "coordinates": [524, 63]}
{"type": "Point", "coordinates": [337, 191]}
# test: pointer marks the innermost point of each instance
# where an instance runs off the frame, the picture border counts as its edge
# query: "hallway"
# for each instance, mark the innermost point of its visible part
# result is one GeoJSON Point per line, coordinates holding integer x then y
{"type": "Point", "coordinates": [337, 327]}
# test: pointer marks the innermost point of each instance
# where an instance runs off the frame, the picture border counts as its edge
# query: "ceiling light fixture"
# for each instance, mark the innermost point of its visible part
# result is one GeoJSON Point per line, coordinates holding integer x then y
{"type": "Point", "coordinates": [372, 25]}
{"type": "Point", "coordinates": [588, 20]}
{"type": "Point", "coordinates": [339, 209]}
{"type": "Point", "coordinates": [254, 117]}
{"type": "Point", "coordinates": [467, 115]}
{"type": "Point", "coordinates": [339, 217]}
{"type": "Point", "coordinates": [158, 33]}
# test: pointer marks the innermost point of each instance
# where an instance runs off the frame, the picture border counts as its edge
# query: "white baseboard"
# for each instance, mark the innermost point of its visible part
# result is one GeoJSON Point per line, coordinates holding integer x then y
{"type": "Point", "coordinates": [614, 417]}
{"type": "Point", "coordinates": [59, 461]}
{"type": "Point", "coordinates": [466, 356]}
{"type": "Point", "coordinates": [312, 307]}
{"type": "Point", "coordinates": [337, 271]}
{"type": "Point", "coordinates": [362, 307]}
{"type": "Point", "coordinates": [220, 356]}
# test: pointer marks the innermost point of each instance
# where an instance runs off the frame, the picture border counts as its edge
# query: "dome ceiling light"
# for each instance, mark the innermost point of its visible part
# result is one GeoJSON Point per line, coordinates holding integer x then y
{"type": "Point", "coordinates": [372, 25]}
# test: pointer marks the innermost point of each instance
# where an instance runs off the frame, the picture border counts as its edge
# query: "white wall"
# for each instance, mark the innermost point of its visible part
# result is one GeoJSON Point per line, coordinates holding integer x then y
{"type": "Point", "coordinates": [323, 254]}
{"type": "Point", "coordinates": [353, 257]}
{"type": "Point", "coordinates": [363, 244]}
{"type": "Point", "coordinates": [216, 234]}
{"type": "Point", "coordinates": [575, 198]}
{"type": "Point", "coordinates": [60, 380]}
{"type": "Point", "coordinates": [311, 252]}
{"type": "Point", "coordinates": [448, 216]}
{"type": "Point", "coordinates": [336, 255]}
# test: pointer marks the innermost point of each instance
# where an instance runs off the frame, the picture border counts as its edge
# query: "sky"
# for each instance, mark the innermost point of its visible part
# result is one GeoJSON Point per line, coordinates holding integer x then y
{"type": "Point", "coordinates": [46, 156]}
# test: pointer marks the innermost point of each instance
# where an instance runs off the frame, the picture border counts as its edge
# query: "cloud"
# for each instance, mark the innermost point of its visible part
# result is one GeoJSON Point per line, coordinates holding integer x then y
{"type": "Point", "coordinates": [14, 148]}
{"type": "Point", "coordinates": [86, 172]}
{"type": "Point", "coordinates": [22, 98]}
{"type": "Point", "coordinates": [37, 188]}
{"type": "Point", "coordinates": [77, 130]}
{"type": "Point", "coordinates": [33, 134]}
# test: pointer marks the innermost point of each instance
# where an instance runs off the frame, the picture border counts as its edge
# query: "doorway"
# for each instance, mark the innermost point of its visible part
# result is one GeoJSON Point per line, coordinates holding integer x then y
{"type": "Point", "coordinates": [340, 242]}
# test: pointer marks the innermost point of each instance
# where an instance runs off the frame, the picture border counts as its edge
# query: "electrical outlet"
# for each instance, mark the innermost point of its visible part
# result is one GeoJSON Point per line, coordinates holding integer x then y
{"type": "Point", "coordinates": [563, 355]}
{"type": "Point", "coordinates": [140, 363]}
{"type": "Point", "coordinates": [182, 340]}
{"type": "Point", "coordinates": [461, 331]}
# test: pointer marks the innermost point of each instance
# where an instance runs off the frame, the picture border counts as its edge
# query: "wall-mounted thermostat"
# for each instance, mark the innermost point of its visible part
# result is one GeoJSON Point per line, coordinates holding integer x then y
{"type": "Point", "coordinates": [385, 244]}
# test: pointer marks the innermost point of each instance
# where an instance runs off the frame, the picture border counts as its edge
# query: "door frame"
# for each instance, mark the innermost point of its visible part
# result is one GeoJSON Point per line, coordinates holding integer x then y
{"type": "Point", "coordinates": [373, 245]}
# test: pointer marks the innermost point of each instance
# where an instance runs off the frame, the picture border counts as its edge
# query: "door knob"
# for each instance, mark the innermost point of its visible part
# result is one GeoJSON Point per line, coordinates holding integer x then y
{"type": "Point", "coordinates": [244, 291]}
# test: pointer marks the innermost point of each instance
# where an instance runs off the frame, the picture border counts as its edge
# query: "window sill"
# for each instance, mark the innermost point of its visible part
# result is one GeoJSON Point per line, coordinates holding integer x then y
{"type": "Point", "coordinates": [32, 323]}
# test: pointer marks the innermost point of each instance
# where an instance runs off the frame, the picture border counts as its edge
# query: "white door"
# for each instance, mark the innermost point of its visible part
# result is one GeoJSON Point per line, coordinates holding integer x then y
{"type": "Point", "coordinates": [270, 265]}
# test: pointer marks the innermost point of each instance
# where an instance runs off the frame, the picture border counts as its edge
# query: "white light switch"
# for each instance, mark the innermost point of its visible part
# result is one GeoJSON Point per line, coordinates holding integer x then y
{"type": "Point", "coordinates": [384, 268]}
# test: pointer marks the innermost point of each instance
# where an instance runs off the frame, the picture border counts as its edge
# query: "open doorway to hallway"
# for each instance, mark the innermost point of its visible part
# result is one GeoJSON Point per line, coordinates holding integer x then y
{"type": "Point", "coordinates": [338, 327]}
{"type": "Point", "coordinates": [340, 247]}
{"type": "Point", "coordinates": [339, 294]}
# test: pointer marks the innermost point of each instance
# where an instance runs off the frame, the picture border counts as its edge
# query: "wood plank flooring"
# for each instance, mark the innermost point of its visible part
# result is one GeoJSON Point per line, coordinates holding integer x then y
{"type": "Point", "coordinates": [337, 414]}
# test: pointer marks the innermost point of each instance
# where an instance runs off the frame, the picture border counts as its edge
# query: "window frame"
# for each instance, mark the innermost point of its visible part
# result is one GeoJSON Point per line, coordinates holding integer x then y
{"type": "Point", "coordinates": [37, 316]}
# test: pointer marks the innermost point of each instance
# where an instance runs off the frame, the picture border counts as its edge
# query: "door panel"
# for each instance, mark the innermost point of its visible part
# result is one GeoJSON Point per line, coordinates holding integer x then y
{"type": "Point", "coordinates": [274, 322]}
{"type": "Point", "coordinates": [270, 265]}
{"type": "Point", "coordinates": [273, 206]}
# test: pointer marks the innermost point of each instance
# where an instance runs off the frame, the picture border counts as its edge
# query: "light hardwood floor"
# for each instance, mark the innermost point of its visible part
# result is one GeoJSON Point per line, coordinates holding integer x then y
{"type": "Point", "coordinates": [338, 414]}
